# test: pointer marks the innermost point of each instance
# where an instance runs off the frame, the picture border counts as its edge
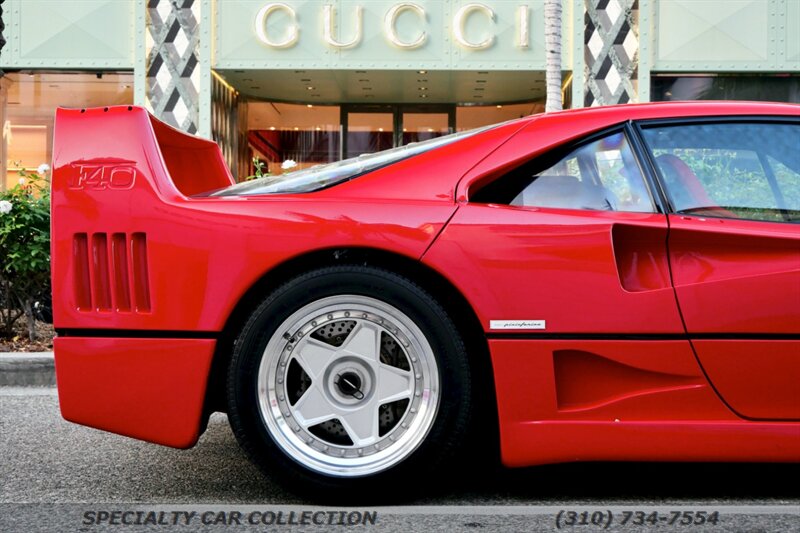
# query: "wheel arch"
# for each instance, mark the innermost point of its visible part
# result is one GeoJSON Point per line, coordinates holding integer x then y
{"type": "Point", "coordinates": [448, 296]}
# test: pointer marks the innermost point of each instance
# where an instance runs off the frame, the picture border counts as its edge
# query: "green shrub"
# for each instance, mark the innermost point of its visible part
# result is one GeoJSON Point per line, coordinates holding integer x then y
{"type": "Point", "coordinates": [24, 249]}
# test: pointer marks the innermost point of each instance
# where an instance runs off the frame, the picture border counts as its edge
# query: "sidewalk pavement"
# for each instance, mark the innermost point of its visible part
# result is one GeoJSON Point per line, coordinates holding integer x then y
{"type": "Point", "coordinates": [27, 369]}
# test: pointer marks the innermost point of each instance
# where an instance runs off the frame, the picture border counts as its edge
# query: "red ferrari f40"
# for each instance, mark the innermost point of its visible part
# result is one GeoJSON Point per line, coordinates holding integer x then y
{"type": "Point", "coordinates": [618, 283]}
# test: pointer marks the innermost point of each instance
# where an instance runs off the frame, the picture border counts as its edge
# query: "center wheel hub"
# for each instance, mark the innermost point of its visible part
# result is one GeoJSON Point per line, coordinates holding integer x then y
{"type": "Point", "coordinates": [349, 384]}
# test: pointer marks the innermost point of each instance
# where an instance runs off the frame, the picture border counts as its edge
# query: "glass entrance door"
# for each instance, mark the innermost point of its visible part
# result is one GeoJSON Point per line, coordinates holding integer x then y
{"type": "Point", "coordinates": [372, 128]}
{"type": "Point", "coordinates": [420, 124]}
{"type": "Point", "coordinates": [367, 129]}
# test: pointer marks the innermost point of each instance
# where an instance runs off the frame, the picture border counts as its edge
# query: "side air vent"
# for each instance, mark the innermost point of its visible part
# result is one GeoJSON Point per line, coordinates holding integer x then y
{"type": "Point", "coordinates": [141, 275]}
{"type": "Point", "coordinates": [119, 258]}
{"type": "Point", "coordinates": [111, 272]}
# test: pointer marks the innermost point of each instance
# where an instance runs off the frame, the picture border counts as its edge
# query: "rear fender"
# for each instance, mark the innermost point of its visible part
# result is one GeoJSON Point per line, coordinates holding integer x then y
{"type": "Point", "coordinates": [115, 170]}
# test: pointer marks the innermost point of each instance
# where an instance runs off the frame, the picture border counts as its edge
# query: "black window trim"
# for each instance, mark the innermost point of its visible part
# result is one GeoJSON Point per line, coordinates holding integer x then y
{"type": "Point", "coordinates": [780, 200]}
{"type": "Point", "coordinates": [637, 127]}
{"type": "Point", "coordinates": [647, 166]}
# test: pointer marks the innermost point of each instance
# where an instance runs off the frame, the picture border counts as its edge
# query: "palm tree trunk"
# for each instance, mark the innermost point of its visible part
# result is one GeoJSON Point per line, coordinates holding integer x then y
{"type": "Point", "coordinates": [552, 41]}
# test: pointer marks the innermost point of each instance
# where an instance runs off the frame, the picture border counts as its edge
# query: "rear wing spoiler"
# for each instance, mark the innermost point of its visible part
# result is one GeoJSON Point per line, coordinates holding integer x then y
{"type": "Point", "coordinates": [124, 147]}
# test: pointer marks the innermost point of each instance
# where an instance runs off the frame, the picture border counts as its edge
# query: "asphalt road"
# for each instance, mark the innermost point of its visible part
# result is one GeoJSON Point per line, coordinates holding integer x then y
{"type": "Point", "coordinates": [57, 476]}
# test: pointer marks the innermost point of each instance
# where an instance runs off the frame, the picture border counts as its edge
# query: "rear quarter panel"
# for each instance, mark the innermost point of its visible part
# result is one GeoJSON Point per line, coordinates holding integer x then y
{"type": "Point", "coordinates": [130, 252]}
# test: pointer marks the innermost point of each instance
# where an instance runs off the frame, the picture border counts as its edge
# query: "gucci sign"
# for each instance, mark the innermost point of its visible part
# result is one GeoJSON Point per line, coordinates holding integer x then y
{"type": "Point", "coordinates": [292, 33]}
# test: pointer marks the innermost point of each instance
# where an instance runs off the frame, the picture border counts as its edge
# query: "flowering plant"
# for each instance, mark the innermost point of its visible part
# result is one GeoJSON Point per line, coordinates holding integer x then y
{"type": "Point", "coordinates": [24, 248]}
{"type": "Point", "coordinates": [260, 171]}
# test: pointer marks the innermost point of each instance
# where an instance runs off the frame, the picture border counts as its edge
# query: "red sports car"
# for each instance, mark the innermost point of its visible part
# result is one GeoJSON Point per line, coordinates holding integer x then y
{"type": "Point", "coordinates": [618, 283]}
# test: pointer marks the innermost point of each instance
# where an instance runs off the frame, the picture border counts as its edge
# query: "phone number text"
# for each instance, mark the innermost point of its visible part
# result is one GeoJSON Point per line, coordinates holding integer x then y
{"type": "Point", "coordinates": [606, 518]}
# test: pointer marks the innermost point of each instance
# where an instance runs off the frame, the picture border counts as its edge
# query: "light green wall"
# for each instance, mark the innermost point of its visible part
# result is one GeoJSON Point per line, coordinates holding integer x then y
{"type": "Point", "coordinates": [74, 34]}
{"type": "Point", "coordinates": [726, 35]}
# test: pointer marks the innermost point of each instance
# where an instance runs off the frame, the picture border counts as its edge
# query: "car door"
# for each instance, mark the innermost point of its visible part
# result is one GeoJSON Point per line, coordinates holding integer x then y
{"type": "Point", "coordinates": [734, 248]}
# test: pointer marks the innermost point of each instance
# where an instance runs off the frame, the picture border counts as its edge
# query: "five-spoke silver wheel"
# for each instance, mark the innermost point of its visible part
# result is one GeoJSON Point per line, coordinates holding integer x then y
{"type": "Point", "coordinates": [348, 386]}
{"type": "Point", "coordinates": [351, 381]}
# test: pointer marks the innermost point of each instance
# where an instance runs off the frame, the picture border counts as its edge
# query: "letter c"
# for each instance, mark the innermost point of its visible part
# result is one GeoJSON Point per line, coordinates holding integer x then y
{"type": "Point", "coordinates": [460, 19]}
{"type": "Point", "coordinates": [261, 26]}
{"type": "Point", "coordinates": [391, 18]}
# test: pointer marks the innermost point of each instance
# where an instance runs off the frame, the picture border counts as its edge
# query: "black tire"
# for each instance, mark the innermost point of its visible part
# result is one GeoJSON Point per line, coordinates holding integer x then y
{"type": "Point", "coordinates": [265, 434]}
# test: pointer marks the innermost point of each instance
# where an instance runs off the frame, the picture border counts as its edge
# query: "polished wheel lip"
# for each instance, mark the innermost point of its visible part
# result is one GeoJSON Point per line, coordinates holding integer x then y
{"type": "Point", "coordinates": [357, 460]}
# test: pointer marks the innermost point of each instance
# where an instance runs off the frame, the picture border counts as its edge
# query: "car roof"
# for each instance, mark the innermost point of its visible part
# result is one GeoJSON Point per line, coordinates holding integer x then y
{"type": "Point", "coordinates": [677, 109]}
{"type": "Point", "coordinates": [692, 108]}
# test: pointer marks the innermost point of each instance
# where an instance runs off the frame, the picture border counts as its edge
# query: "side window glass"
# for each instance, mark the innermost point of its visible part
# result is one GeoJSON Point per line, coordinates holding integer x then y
{"type": "Point", "coordinates": [618, 173]}
{"type": "Point", "coordinates": [601, 175]}
{"type": "Point", "coordinates": [749, 171]}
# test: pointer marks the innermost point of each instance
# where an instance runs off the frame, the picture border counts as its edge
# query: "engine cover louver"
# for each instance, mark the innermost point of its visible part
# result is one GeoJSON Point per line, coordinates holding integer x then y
{"type": "Point", "coordinates": [111, 272]}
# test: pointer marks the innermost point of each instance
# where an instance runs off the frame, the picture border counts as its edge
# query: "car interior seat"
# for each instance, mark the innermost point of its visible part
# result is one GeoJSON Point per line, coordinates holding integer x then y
{"type": "Point", "coordinates": [685, 188]}
{"type": "Point", "coordinates": [566, 192]}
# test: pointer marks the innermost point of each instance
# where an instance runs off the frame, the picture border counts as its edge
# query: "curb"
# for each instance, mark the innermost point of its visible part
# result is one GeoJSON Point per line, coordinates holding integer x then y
{"type": "Point", "coordinates": [27, 369]}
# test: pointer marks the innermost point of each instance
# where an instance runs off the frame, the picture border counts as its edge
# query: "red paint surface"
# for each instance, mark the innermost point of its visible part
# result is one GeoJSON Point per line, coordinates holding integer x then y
{"type": "Point", "coordinates": [757, 378]}
{"type": "Point", "coordinates": [149, 389]}
{"type": "Point", "coordinates": [673, 415]}
{"type": "Point", "coordinates": [543, 442]}
{"type": "Point", "coordinates": [736, 276]}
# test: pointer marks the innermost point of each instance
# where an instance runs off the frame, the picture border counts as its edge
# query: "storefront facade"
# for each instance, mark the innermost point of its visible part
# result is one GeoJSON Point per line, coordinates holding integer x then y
{"type": "Point", "coordinates": [315, 81]}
